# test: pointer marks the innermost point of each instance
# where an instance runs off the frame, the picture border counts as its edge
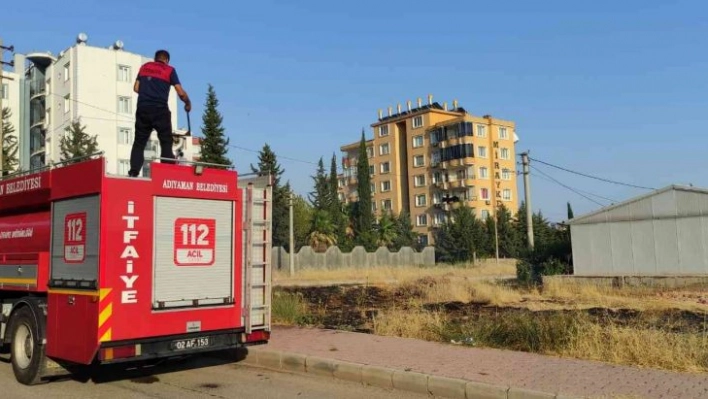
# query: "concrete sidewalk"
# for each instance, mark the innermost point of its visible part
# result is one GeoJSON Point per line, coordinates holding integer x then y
{"type": "Point", "coordinates": [463, 372]}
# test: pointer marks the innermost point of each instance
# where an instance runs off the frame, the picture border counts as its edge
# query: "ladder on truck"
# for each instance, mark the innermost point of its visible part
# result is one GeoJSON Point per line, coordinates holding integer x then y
{"type": "Point", "coordinates": [257, 231]}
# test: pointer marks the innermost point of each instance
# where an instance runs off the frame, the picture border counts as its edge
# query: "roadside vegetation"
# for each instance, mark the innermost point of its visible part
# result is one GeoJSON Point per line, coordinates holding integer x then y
{"type": "Point", "coordinates": [464, 305]}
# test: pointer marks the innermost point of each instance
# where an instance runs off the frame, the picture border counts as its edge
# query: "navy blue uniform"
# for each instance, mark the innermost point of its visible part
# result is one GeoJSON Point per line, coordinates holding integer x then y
{"type": "Point", "coordinates": [156, 78]}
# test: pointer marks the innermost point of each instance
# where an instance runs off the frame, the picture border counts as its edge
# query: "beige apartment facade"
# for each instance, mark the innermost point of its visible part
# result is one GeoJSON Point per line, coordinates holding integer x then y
{"type": "Point", "coordinates": [426, 159]}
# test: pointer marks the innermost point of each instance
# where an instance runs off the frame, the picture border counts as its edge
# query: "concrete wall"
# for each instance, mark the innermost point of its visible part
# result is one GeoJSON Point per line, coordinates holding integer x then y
{"type": "Point", "coordinates": [333, 258]}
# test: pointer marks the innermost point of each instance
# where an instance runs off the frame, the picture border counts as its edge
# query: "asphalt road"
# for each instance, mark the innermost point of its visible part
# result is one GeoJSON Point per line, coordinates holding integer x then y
{"type": "Point", "coordinates": [200, 377]}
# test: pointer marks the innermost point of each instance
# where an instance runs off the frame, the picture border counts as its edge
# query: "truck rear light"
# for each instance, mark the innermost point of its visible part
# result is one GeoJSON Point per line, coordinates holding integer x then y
{"type": "Point", "coordinates": [120, 352]}
{"type": "Point", "coordinates": [256, 336]}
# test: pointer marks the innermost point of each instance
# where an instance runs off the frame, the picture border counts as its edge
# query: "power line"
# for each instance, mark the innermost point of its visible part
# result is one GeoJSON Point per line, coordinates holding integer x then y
{"type": "Point", "coordinates": [568, 187]}
{"type": "Point", "coordinates": [591, 177]}
{"type": "Point", "coordinates": [583, 191]}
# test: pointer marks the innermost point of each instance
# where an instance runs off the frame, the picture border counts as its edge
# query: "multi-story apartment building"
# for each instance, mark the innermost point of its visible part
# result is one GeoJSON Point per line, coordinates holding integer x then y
{"type": "Point", "coordinates": [10, 99]}
{"type": "Point", "coordinates": [87, 83]}
{"type": "Point", "coordinates": [425, 159]}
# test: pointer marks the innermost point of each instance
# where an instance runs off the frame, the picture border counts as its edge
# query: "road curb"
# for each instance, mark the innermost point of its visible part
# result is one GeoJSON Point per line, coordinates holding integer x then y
{"type": "Point", "coordinates": [383, 377]}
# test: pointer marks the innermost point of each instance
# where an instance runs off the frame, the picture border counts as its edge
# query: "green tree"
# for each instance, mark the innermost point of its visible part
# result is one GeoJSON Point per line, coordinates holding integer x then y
{"type": "Point", "coordinates": [268, 165]}
{"type": "Point", "coordinates": [77, 143]}
{"type": "Point", "coordinates": [319, 198]}
{"type": "Point", "coordinates": [570, 211]}
{"type": "Point", "coordinates": [385, 230]}
{"type": "Point", "coordinates": [459, 237]}
{"type": "Point", "coordinates": [322, 234]}
{"type": "Point", "coordinates": [363, 217]}
{"type": "Point", "coordinates": [9, 144]}
{"type": "Point", "coordinates": [214, 144]}
{"type": "Point", "coordinates": [405, 235]}
{"type": "Point", "coordinates": [302, 221]}
{"type": "Point", "coordinates": [510, 242]}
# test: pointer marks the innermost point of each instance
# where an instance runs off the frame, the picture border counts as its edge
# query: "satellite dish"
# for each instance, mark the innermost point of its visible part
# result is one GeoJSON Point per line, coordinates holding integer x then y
{"type": "Point", "coordinates": [118, 45]}
{"type": "Point", "coordinates": [82, 38]}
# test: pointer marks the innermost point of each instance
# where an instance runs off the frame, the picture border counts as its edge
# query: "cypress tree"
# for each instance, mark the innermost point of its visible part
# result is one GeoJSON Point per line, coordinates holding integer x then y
{"type": "Point", "coordinates": [214, 144]}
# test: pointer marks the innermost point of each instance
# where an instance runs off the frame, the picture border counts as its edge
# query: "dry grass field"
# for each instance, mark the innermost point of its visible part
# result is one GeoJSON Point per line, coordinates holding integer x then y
{"type": "Point", "coordinates": [648, 327]}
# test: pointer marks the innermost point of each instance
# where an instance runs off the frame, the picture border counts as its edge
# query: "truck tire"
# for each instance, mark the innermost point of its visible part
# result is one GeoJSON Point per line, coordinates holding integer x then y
{"type": "Point", "coordinates": [26, 351]}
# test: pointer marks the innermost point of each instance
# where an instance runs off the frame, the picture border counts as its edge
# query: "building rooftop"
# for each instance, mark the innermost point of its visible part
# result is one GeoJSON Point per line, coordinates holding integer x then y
{"type": "Point", "coordinates": [355, 145]}
{"type": "Point", "coordinates": [674, 187]}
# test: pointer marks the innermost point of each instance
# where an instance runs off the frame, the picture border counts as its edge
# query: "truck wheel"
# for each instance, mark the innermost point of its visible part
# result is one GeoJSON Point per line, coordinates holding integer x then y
{"type": "Point", "coordinates": [26, 353]}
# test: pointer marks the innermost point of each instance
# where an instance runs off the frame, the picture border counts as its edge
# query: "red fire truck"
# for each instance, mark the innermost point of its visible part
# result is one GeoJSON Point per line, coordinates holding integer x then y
{"type": "Point", "coordinates": [98, 269]}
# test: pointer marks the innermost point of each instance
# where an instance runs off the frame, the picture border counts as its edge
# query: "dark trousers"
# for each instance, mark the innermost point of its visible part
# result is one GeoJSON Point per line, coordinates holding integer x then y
{"type": "Point", "coordinates": [147, 119]}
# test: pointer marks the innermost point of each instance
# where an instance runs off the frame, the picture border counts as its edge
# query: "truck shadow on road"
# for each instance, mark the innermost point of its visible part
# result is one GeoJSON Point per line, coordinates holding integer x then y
{"type": "Point", "coordinates": [149, 372]}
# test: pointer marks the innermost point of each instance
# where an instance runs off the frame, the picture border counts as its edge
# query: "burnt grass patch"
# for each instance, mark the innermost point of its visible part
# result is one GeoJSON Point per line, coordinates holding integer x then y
{"type": "Point", "coordinates": [352, 308]}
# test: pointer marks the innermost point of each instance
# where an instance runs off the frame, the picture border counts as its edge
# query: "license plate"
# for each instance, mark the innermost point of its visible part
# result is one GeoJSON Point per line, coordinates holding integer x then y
{"type": "Point", "coordinates": [190, 343]}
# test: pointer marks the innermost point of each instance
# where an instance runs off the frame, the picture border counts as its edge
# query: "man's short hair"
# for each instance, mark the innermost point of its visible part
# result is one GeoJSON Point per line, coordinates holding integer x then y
{"type": "Point", "coordinates": [159, 54]}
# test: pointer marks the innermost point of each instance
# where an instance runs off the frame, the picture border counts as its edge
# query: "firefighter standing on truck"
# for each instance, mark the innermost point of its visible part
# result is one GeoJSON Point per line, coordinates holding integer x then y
{"type": "Point", "coordinates": [153, 87]}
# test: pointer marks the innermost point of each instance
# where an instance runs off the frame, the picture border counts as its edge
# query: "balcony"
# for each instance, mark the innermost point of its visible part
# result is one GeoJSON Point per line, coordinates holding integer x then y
{"type": "Point", "coordinates": [37, 88]}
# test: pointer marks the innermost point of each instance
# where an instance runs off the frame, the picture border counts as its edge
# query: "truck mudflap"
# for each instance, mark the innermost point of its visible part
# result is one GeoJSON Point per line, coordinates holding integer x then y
{"type": "Point", "coordinates": [177, 345]}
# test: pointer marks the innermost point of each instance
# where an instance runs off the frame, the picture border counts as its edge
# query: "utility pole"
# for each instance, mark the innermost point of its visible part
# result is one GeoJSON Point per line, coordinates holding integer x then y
{"type": "Point", "coordinates": [496, 231]}
{"type": "Point", "coordinates": [527, 193]}
{"type": "Point", "coordinates": [291, 256]}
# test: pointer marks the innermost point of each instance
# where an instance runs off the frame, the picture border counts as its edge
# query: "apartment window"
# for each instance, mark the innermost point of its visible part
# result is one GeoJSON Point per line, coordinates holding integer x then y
{"type": "Point", "coordinates": [504, 153]}
{"type": "Point", "coordinates": [503, 133]}
{"type": "Point", "coordinates": [386, 204]}
{"type": "Point", "coordinates": [342, 197]}
{"type": "Point", "coordinates": [438, 219]}
{"type": "Point", "coordinates": [484, 214]}
{"type": "Point", "coordinates": [484, 193]}
{"type": "Point", "coordinates": [419, 181]}
{"type": "Point", "coordinates": [369, 152]}
{"type": "Point", "coordinates": [67, 133]}
{"type": "Point", "coordinates": [418, 121]}
{"type": "Point", "coordinates": [123, 167]}
{"type": "Point", "coordinates": [124, 105]}
{"type": "Point", "coordinates": [482, 151]}
{"type": "Point", "coordinates": [124, 135]}
{"type": "Point", "coordinates": [67, 103]}
{"type": "Point", "coordinates": [384, 149]}
{"type": "Point", "coordinates": [481, 131]}
{"type": "Point", "coordinates": [373, 207]}
{"type": "Point", "coordinates": [419, 160]}
{"type": "Point", "coordinates": [124, 73]}
{"type": "Point", "coordinates": [385, 186]}
{"type": "Point", "coordinates": [372, 169]}
{"type": "Point", "coordinates": [66, 71]}
{"type": "Point", "coordinates": [421, 220]}
{"type": "Point", "coordinates": [421, 200]}
{"type": "Point", "coordinates": [506, 174]}
{"type": "Point", "coordinates": [437, 177]}
{"type": "Point", "coordinates": [5, 91]}
{"type": "Point", "coordinates": [437, 197]}
{"type": "Point", "coordinates": [417, 141]}
{"type": "Point", "coordinates": [483, 172]}
{"type": "Point", "coordinates": [373, 188]}
{"type": "Point", "coordinates": [506, 194]}
{"type": "Point", "coordinates": [385, 167]}
{"type": "Point", "coordinates": [383, 130]}
{"type": "Point", "coordinates": [341, 183]}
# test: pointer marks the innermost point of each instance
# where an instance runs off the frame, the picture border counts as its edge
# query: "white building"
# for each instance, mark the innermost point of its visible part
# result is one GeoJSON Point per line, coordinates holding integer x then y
{"type": "Point", "coordinates": [87, 83]}
{"type": "Point", "coordinates": [10, 98]}
{"type": "Point", "coordinates": [663, 233]}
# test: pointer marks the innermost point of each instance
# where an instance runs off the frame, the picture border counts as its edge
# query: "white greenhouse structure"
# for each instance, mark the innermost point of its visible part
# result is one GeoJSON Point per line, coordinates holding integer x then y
{"type": "Point", "coordinates": [663, 233]}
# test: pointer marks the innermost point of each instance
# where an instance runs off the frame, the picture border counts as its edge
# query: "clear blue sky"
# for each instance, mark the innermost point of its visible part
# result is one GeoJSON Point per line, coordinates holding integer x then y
{"type": "Point", "coordinates": [609, 88]}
